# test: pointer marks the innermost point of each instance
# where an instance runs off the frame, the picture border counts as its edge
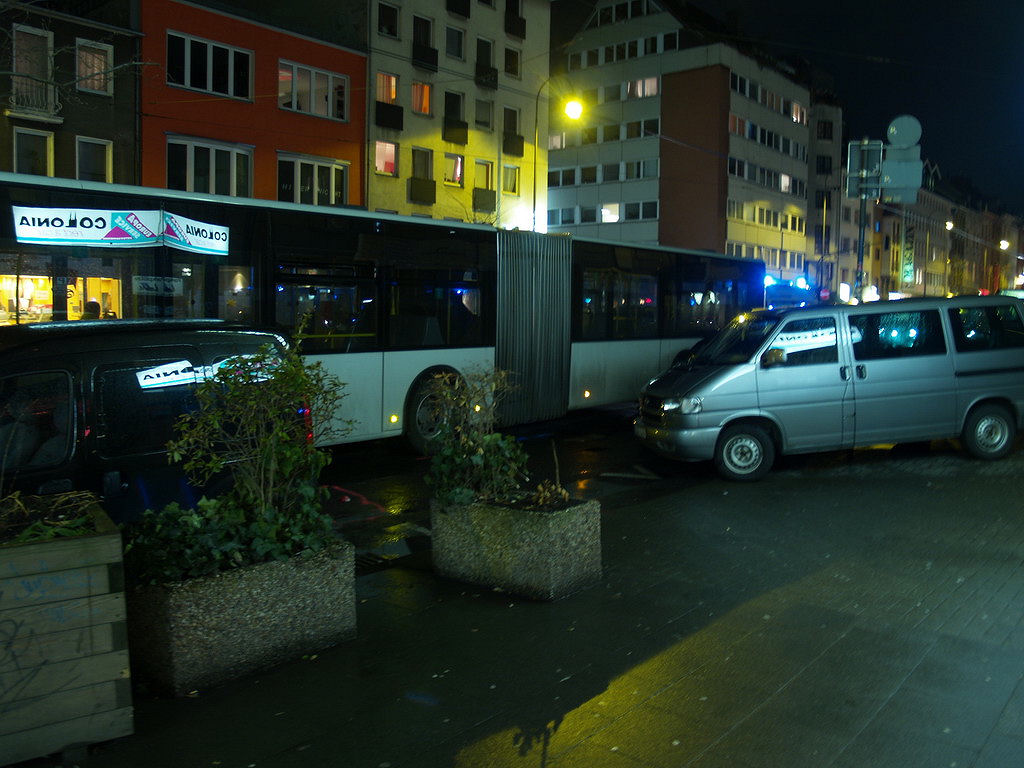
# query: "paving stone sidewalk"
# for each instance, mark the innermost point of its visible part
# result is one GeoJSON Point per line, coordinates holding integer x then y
{"type": "Point", "coordinates": [860, 615]}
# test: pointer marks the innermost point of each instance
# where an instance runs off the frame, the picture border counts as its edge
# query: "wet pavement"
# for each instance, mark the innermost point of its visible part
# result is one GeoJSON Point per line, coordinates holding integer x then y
{"type": "Point", "coordinates": [852, 610]}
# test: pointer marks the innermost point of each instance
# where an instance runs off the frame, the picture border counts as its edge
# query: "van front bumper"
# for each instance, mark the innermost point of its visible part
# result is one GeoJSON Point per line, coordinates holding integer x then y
{"type": "Point", "coordinates": [684, 444]}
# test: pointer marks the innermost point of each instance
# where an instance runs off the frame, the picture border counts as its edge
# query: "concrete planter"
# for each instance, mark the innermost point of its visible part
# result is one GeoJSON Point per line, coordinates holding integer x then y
{"type": "Point", "coordinates": [206, 631]}
{"type": "Point", "coordinates": [64, 679]}
{"type": "Point", "coordinates": [542, 555]}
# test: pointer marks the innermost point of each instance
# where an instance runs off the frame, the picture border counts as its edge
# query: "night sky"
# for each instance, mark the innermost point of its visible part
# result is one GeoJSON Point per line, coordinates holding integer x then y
{"type": "Point", "coordinates": [954, 66]}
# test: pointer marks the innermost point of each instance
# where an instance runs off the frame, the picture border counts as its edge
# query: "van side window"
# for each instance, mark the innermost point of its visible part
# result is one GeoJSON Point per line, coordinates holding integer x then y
{"type": "Point", "coordinates": [808, 342]}
{"type": "Point", "coordinates": [36, 420]}
{"type": "Point", "coordinates": [884, 335]}
{"type": "Point", "coordinates": [137, 404]}
{"type": "Point", "coordinates": [980, 328]}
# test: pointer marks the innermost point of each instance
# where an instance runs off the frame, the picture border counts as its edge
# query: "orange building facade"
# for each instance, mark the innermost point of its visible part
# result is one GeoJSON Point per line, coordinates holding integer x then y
{"type": "Point", "coordinates": [229, 106]}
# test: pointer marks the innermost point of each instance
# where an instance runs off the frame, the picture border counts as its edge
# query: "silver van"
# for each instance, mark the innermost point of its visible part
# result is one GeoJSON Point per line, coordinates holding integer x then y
{"type": "Point", "coordinates": [830, 377]}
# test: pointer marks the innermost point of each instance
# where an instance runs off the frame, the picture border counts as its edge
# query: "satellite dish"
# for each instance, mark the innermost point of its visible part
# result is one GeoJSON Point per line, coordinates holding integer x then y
{"type": "Point", "coordinates": [904, 131]}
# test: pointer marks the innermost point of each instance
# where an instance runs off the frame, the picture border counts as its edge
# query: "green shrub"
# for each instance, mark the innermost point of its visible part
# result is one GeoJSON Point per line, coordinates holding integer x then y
{"type": "Point", "coordinates": [253, 422]}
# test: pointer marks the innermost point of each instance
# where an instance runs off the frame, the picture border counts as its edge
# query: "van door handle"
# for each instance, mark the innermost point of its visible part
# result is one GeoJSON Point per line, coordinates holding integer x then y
{"type": "Point", "coordinates": [862, 372]}
{"type": "Point", "coordinates": [844, 372]}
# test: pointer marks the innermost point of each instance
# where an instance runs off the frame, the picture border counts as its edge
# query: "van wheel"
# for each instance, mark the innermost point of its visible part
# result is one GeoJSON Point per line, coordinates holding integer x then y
{"type": "Point", "coordinates": [989, 432]}
{"type": "Point", "coordinates": [422, 419]}
{"type": "Point", "coordinates": [744, 452]}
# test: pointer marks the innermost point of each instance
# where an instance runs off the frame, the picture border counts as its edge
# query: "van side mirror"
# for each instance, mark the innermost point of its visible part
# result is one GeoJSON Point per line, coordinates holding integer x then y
{"type": "Point", "coordinates": [772, 357]}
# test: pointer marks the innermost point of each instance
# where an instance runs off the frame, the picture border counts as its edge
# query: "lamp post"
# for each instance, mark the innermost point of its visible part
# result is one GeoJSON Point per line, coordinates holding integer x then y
{"type": "Point", "coordinates": [573, 110]}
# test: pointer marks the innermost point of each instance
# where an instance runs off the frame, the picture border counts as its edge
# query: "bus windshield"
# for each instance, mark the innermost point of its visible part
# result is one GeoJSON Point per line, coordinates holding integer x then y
{"type": "Point", "coordinates": [738, 341]}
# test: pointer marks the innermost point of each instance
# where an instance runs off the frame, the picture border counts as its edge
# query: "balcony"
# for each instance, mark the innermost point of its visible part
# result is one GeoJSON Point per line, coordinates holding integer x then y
{"type": "Point", "coordinates": [422, 191]}
{"type": "Point", "coordinates": [424, 57]}
{"type": "Point", "coordinates": [486, 76]}
{"type": "Point", "coordinates": [515, 25]}
{"type": "Point", "coordinates": [484, 200]}
{"type": "Point", "coordinates": [512, 144]}
{"type": "Point", "coordinates": [455, 131]}
{"type": "Point", "coordinates": [459, 7]}
{"type": "Point", "coordinates": [33, 100]}
{"type": "Point", "coordinates": [388, 115]}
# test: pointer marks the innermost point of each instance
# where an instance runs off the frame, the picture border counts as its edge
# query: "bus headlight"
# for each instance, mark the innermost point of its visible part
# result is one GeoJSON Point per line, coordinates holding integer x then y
{"type": "Point", "coordinates": [682, 405]}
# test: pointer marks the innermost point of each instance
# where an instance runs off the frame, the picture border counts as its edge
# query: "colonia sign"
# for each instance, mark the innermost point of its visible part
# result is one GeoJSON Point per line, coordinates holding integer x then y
{"type": "Point", "coordinates": [117, 229]}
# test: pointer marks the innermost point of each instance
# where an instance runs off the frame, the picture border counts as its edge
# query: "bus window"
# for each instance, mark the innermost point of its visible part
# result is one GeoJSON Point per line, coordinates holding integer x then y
{"type": "Point", "coordinates": [635, 306]}
{"type": "Point", "coordinates": [428, 309]}
{"type": "Point", "coordinates": [338, 317]}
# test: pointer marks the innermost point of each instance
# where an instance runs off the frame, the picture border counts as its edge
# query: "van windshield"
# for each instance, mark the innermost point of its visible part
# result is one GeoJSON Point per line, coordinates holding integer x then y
{"type": "Point", "coordinates": [739, 340]}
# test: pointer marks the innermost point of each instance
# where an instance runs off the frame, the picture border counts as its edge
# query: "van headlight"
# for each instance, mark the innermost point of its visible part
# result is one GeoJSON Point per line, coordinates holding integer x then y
{"type": "Point", "coordinates": [682, 405]}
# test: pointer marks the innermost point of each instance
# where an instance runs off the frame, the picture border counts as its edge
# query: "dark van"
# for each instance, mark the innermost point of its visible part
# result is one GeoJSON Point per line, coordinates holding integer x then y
{"type": "Point", "coordinates": [91, 405]}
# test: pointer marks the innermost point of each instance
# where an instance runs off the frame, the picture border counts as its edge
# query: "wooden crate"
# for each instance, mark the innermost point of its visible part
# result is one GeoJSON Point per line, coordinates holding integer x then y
{"type": "Point", "coordinates": [64, 679]}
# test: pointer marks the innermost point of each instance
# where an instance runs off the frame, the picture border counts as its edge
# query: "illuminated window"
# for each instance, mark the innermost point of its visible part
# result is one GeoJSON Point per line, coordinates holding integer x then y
{"type": "Point", "coordinates": [386, 158]}
{"type": "Point", "coordinates": [421, 98]}
{"type": "Point", "coordinates": [32, 86]}
{"type": "Point", "coordinates": [510, 180]}
{"type": "Point", "coordinates": [94, 64]}
{"type": "Point", "coordinates": [454, 169]}
{"type": "Point", "coordinates": [609, 213]}
{"type": "Point", "coordinates": [387, 88]}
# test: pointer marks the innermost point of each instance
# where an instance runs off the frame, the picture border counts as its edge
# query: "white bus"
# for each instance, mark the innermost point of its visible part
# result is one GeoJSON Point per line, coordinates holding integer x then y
{"type": "Point", "coordinates": [386, 301]}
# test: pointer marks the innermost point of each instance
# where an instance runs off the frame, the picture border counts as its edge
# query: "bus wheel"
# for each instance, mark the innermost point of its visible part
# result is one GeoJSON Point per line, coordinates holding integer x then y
{"type": "Point", "coordinates": [744, 452]}
{"type": "Point", "coordinates": [422, 419]}
{"type": "Point", "coordinates": [989, 432]}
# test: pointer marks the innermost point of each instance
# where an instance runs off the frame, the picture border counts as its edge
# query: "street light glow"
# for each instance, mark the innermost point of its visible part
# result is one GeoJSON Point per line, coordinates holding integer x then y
{"type": "Point", "coordinates": [1004, 244]}
{"type": "Point", "coordinates": [574, 109]}
{"type": "Point", "coordinates": [949, 225]}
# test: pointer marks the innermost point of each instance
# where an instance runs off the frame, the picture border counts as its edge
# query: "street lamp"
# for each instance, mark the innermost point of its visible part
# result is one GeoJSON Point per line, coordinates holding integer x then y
{"type": "Point", "coordinates": [573, 110]}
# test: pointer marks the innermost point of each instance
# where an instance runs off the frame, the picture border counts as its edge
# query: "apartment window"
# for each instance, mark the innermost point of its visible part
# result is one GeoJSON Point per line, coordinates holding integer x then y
{"type": "Point", "coordinates": [484, 174]}
{"type": "Point", "coordinates": [422, 163]}
{"type": "Point", "coordinates": [455, 43]}
{"type": "Point", "coordinates": [611, 132]}
{"type": "Point", "coordinates": [512, 62]}
{"type": "Point", "coordinates": [824, 164]}
{"type": "Point", "coordinates": [511, 121]}
{"type": "Point", "coordinates": [33, 152]}
{"type": "Point", "coordinates": [387, 88]}
{"type": "Point", "coordinates": [454, 168]}
{"type": "Point", "coordinates": [484, 114]}
{"type": "Point", "coordinates": [313, 181]}
{"type": "Point", "coordinates": [588, 215]}
{"type": "Point", "coordinates": [94, 64]}
{"type": "Point", "coordinates": [613, 92]}
{"type": "Point", "coordinates": [313, 91]}
{"type": "Point", "coordinates": [387, 20]}
{"type": "Point", "coordinates": [209, 167]}
{"type": "Point", "coordinates": [385, 158]}
{"type": "Point", "coordinates": [423, 31]}
{"type": "Point", "coordinates": [94, 159]}
{"type": "Point", "coordinates": [32, 86]}
{"type": "Point", "coordinates": [609, 213]}
{"type": "Point", "coordinates": [421, 94]}
{"type": "Point", "coordinates": [453, 105]}
{"type": "Point", "coordinates": [642, 88]}
{"type": "Point", "coordinates": [589, 135]}
{"type": "Point", "coordinates": [610, 172]}
{"type": "Point", "coordinates": [510, 179]}
{"type": "Point", "coordinates": [207, 66]}
{"type": "Point", "coordinates": [588, 174]}
{"type": "Point", "coordinates": [825, 129]}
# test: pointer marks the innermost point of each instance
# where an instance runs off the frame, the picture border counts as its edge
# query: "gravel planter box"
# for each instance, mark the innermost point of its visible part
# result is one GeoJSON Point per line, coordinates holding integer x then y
{"type": "Point", "coordinates": [206, 631]}
{"type": "Point", "coordinates": [542, 555]}
{"type": "Point", "coordinates": [63, 653]}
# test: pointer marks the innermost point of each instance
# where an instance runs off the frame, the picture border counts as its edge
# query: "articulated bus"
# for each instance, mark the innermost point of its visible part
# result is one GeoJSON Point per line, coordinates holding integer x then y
{"type": "Point", "coordinates": [385, 301]}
